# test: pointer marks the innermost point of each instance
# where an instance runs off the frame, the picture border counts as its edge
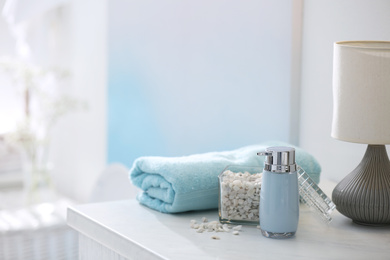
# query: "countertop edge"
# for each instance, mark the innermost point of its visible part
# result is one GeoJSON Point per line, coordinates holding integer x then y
{"type": "Point", "coordinates": [108, 237]}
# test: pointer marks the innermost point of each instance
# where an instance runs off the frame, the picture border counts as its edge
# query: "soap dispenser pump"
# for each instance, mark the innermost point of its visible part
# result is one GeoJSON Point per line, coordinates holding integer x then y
{"type": "Point", "coordinates": [279, 196]}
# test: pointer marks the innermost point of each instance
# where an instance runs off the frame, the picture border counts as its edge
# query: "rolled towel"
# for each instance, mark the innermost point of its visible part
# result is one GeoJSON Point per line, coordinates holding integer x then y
{"type": "Point", "coordinates": [178, 184]}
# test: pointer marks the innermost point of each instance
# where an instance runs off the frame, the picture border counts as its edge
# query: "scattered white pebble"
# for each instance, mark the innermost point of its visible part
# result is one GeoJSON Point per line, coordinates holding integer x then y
{"type": "Point", "coordinates": [258, 226]}
{"type": "Point", "coordinates": [205, 220]}
{"type": "Point", "coordinates": [225, 228]}
{"type": "Point", "coordinates": [214, 226]}
{"type": "Point", "coordinates": [237, 228]}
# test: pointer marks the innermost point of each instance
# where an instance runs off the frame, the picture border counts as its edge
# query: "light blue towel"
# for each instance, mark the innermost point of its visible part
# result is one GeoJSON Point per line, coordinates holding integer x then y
{"type": "Point", "coordinates": [178, 184]}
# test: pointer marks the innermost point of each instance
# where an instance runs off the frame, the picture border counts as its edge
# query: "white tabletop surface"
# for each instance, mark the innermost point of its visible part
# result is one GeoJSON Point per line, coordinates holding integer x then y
{"type": "Point", "coordinates": [135, 231]}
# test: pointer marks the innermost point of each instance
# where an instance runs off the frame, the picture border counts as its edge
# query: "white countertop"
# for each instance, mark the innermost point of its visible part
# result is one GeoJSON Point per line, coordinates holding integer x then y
{"type": "Point", "coordinates": [137, 232]}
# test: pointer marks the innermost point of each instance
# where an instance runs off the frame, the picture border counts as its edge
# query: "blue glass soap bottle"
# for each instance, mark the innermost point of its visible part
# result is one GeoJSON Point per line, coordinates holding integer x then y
{"type": "Point", "coordinates": [279, 196]}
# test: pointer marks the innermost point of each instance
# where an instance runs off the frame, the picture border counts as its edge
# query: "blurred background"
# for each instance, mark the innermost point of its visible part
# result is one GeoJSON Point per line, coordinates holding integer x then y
{"type": "Point", "coordinates": [173, 78]}
{"type": "Point", "coordinates": [87, 86]}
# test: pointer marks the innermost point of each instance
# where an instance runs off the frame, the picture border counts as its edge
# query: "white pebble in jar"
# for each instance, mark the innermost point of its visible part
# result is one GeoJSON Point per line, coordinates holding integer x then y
{"type": "Point", "coordinates": [240, 196]}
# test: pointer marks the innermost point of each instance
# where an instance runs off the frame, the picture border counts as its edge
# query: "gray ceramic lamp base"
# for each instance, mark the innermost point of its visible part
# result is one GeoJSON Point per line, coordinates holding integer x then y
{"type": "Point", "coordinates": [364, 195]}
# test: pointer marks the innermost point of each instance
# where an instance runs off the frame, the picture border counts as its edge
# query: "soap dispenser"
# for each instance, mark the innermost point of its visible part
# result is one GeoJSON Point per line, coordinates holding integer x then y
{"type": "Point", "coordinates": [279, 196]}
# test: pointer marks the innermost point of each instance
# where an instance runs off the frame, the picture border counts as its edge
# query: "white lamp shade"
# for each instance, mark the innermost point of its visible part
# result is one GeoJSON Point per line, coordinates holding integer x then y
{"type": "Point", "coordinates": [361, 92]}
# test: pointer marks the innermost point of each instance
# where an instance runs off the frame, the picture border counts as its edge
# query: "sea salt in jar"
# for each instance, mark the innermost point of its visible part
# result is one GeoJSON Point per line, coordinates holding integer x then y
{"type": "Point", "coordinates": [239, 195]}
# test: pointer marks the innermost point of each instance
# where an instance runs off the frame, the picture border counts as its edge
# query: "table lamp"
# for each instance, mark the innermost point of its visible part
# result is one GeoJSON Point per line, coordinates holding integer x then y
{"type": "Point", "coordinates": [361, 114]}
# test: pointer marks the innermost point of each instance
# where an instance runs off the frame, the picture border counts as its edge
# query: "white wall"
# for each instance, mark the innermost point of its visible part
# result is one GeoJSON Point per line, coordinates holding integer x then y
{"type": "Point", "coordinates": [80, 139]}
{"type": "Point", "coordinates": [324, 22]}
{"type": "Point", "coordinates": [197, 76]}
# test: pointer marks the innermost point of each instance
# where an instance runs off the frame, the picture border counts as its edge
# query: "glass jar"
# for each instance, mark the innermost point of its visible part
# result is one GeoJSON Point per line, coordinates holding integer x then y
{"type": "Point", "coordinates": [239, 195]}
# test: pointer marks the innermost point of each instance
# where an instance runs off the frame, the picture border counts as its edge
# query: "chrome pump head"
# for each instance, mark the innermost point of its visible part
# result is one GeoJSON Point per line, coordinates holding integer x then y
{"type": "Point", "coordinates": [279, 159]}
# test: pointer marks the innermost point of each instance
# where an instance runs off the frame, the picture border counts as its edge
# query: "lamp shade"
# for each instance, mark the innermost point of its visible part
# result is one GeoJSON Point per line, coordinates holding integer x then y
{"type": "Point", "coordinates": [361, 92]}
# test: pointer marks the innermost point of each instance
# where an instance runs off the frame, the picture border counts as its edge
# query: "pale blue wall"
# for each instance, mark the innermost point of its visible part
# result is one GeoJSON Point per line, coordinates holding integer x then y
{"type": "Point", "coordinates": [196, 76]}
